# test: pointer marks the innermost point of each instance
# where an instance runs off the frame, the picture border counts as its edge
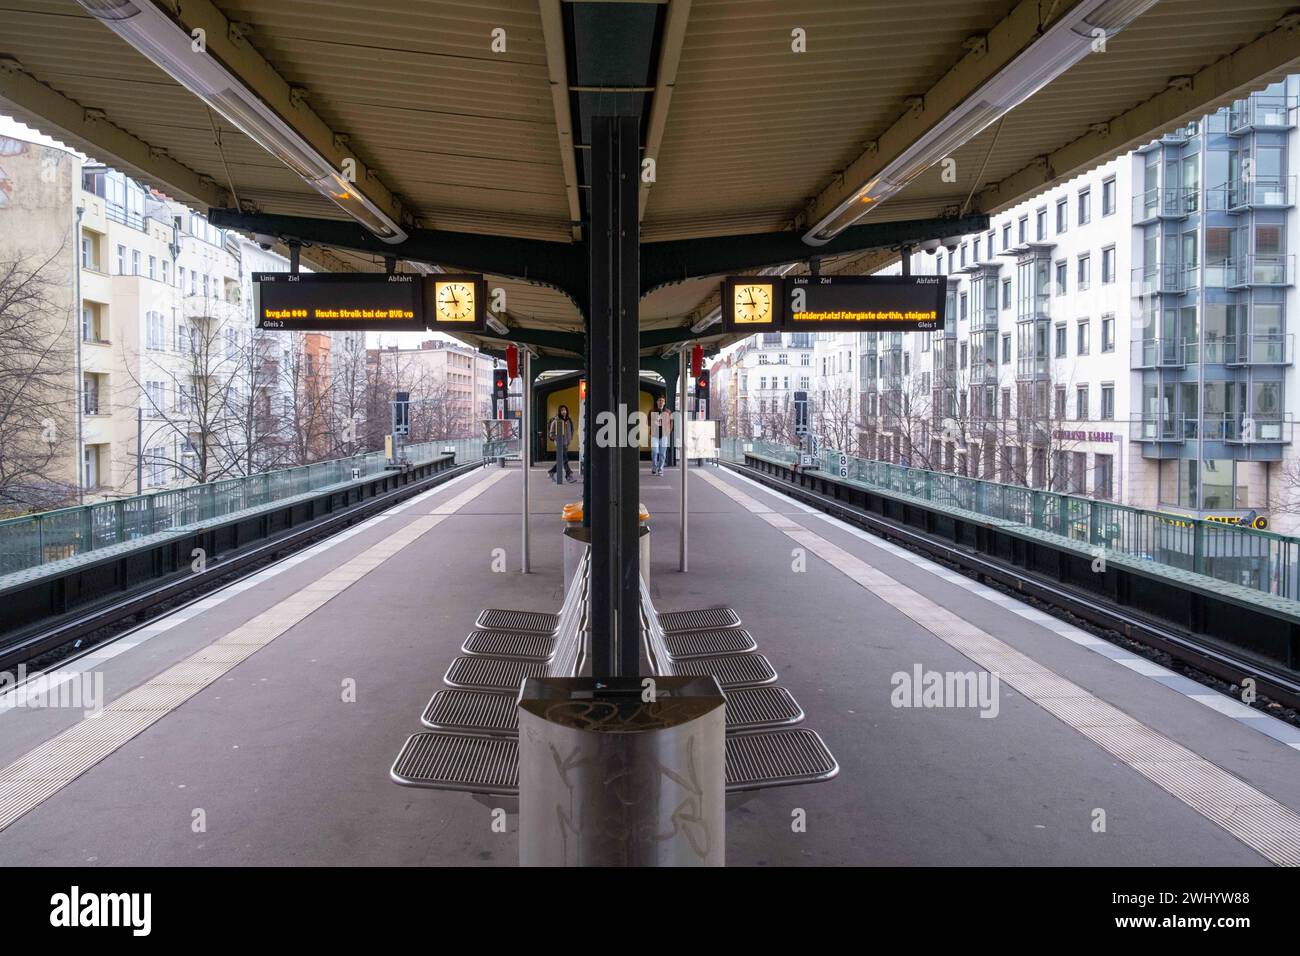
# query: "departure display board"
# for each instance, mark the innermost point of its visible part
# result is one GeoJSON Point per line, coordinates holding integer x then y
{"type": "Point", "coordinates": [339, 301]}
{"type": "Point", "coordinates": [864, 303]}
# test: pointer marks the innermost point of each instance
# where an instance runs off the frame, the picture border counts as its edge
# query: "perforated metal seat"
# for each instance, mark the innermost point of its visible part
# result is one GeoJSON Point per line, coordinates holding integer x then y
{"type": "Point", "coordinates": [491, 673]}
{"type": "Point", "coordinates": [755, 708]}
{"type": "Point", "coordinates": [687, 644]}
{"type": "Point", "coordinates": [777, 758]}
{"type": "Point", "coordinates": [480, 764]}
{"type": "Point", "coordinates": [465, 762]}
{"type": "Point", "coordinates": [472, 711]}
{"type": "Point", "coordinates": [700, 619]}
{"type": "Point", "coordinates": [733, 670]}
{"type": "Point", "coordinates": [533, 622]}
{"type": "Point", "coordinates": [520, 645]}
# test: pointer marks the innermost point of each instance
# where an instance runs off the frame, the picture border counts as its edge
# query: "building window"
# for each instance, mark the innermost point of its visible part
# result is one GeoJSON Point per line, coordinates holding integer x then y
{"type": "Point", "coordinates": [1081, 403]}
{"type": "Point", "coordinates": [121, 260]}
{"type": "Point", "coordinates": [1061, 277]}
{"type": "Point", "coordinates": [1085, 271]}
{"type": "Point", "coordinates": [1108, 196]}
{"type": "Point", "coordinates": [964, 351]}
{"type": "Point", "coordinates": [153, 267]}
{"type": "Point", "coordinates": [166, 272]}
{"type": "Point", "coordinates": [1006, 348]}
{"type": "Point", "coordinates": [1023, 228]}
{"type": "Point", "coordinates": [1107, 402]}
{"type": "Point", "coordinates": [783, 359]}
{"type": "Point", "coordinates": [1006, 401]}
{"type": "Point", "coordinates": [1060, 403]}
{"type": "Point", "coordinates": [963, 310]}
{"type": "Point", "coordinates": [1085, 337]}
{"type": "Point", "coordinates": [938, 264]}
{"type": "Point", "coordinates": [155, 394]}
{"type": "Point", "coordinates": [1006, 236]}
{"type": "Point", "coordinates": [1006, 293]}
{"type": "Point", "coordinates": [155, 334]}
{"type": "Point", "coordinates": [976, 256]}
{"type": "Point", "coordinates": [1103, 476]}
{"type": "Point", "coordinates": [1085, 206]}
{"type": "Point", "coordinates": [135, 262]}
{"type": "Point", "coordinates": [1108, 333]}
{"type": "Point", "coordinates": [1040, 225]}
{"type": "Point", "coordinates": [156, 465]}
{"type": "Point", "coordinates": [963, 254]}
{"type": "Point", "coordinates": [1108, 265]}
{"type": "Point", "coordinates": [1062, 215]}
{"type": "Point", "coordinates": [992, 236]}
{"type": "Point", "coordinates": [805, 358]}
{"type": "Point", "coordinates": [1060, 340]}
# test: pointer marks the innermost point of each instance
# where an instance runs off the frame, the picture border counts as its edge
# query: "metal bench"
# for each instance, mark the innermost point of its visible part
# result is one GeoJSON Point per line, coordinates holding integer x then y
{"type": "Point", "coordinates": [531, 622]}
{"type": "Point", "coordinates": [700, 619]}
{"type": "Point", "coordinates": [520, 645]}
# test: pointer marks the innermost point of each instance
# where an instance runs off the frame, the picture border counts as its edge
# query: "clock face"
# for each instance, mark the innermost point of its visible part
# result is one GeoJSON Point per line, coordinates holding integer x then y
{"type": "Point", "coordinates": [455, 301]}
{"type": "Point", "coordinates": [752, 303]}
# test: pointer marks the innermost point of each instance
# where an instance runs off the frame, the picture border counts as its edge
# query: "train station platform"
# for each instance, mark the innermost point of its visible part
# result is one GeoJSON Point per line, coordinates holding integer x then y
{"type": "Point", "coordinates": [258, 726]}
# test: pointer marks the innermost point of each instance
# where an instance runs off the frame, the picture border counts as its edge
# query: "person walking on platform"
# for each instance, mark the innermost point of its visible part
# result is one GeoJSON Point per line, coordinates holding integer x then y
{"type": "Point", "coordinates": [560, 431]}
{"type": "Point", "coordinates": [661, 432]}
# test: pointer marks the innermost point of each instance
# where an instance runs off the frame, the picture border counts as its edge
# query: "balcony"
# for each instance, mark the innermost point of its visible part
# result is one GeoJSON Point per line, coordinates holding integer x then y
{"type": "Point", "coordinates": [1265, 348]}
{"type": "Point", "coordinates": [1249, 429]}
{"type": "Point", "coordinates": [1240, 195]}
{"type": "Point", "coordinates": [1175, 202]}
{"type": "Point", "coordinates": [1174, 279]}
{"type": "Point", "coordinates": [1247, 272]}
{"type": "Point", "coordinates": [1162, 353]}
{"type": "Point", "coordinates": [1153, 428]}
{"type": "Point", "coordinates": [210, 307]}
{"type": "Point", "coordinates": [1261, 112]}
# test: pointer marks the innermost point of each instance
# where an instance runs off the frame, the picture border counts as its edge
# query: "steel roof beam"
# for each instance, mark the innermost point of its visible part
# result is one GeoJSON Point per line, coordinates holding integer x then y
{"type": "Point", "coordinates": [670, 54]}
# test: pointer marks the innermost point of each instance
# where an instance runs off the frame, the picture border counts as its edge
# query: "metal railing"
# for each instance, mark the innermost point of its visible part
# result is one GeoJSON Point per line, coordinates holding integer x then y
{"type": "Point", "coordinates": [32, 540]}
{"type": "Point", "coordinates": [1262, 560]}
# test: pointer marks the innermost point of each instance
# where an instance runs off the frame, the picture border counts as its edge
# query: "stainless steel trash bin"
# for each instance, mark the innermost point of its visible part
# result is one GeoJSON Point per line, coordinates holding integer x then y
{"type": "Point", "coordinates": [610, 778]}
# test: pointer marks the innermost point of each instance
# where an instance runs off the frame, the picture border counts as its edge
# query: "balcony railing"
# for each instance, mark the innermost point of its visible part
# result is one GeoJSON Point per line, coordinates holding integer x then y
{"type": "Point", "coordinates": [1270, 112]}
{"type": "Point", "coordinates": [1154, 428]}
{"type": "Point", "coordinates": [1248, 429]}
{"type": "Point", "coordinates": [1240, 195]}
{"type": "Point", "coordinates": [1264, 348]}
{"type": "Point", "coordinates": [1250, 271]}
{"type": "Point", "coordinates": [1164, 279]}
{"type": "Point", "coordinates": [1172, 202]}
{"type": "Point", "coordinates": [1163, 353]}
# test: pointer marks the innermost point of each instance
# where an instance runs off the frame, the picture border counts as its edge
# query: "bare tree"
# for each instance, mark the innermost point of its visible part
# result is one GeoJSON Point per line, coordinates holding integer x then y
{"type": "Point", "coordinates": [36, 403]}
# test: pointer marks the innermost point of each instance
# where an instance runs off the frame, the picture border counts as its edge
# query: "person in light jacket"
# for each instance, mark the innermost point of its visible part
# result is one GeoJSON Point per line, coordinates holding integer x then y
{"type": "Point", "coordinates": [560, 431]}
{"type": "Point", "coordinates": [661, 433]}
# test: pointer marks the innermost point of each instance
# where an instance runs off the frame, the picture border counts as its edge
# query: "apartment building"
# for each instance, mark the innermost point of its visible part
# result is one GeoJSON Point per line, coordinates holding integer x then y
{"type": "Point", "coordinates": [1123, 335]}
{"type": "Point", "coordinates": [39, 187]}
{"type": "Point", "coordinates": [450, 383]}
{"type": "Point", "coordinates": [757, 380]}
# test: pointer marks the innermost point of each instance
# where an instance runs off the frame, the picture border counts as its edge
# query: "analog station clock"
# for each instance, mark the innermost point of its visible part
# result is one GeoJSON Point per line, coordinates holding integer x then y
{"type": "Point", "coordinates": [752, 303]}
{"type": "Point", "coordinates": [454, 300]}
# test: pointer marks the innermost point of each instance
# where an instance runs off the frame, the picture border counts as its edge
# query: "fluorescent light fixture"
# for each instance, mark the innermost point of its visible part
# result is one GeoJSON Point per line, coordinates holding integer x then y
{"type": "Point", "coordinates": [1064, 44]}
{"type": "Point", "coordinates": [154, 34]}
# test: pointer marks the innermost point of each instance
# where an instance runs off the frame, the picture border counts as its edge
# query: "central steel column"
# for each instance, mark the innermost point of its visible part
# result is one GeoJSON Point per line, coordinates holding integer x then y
{"type": "Point", "coordinates": [612, 391]}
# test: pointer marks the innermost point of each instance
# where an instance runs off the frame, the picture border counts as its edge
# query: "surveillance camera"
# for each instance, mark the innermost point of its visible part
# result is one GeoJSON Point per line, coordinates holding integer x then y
{"type": "Point", "coordinates": [264, 246]}
{"type": "Point", "coordinates": [931, 246]}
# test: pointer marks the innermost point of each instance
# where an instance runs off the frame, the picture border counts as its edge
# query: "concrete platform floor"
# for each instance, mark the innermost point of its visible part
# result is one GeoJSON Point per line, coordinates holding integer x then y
{"type": "Point", "coordinates": [281, 768]}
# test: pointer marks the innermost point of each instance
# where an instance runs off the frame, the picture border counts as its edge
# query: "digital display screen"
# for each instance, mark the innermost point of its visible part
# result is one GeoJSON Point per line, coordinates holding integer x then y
{"type": "Point", "coordinates": [864, 303]}
{"type": "Point", "coordinates": [339, 301]}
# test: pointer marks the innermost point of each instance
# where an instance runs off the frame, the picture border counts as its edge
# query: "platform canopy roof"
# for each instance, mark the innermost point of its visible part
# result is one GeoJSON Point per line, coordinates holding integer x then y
{"type": "Point", "coordinates": [762, 118]}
